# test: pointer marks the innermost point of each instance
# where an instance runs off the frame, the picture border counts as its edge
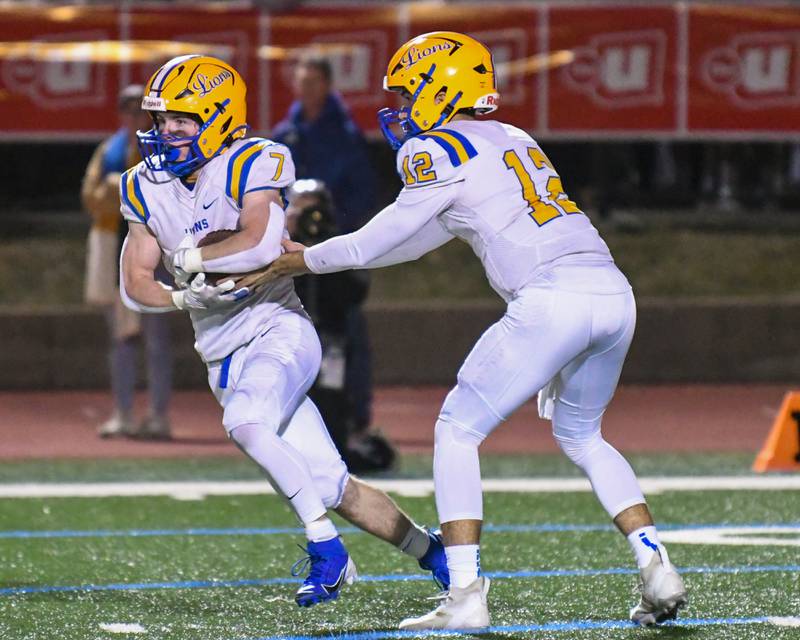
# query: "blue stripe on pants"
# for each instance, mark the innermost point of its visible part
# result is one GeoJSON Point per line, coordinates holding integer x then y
{"type": "Point", "coordinates": [223, 374]}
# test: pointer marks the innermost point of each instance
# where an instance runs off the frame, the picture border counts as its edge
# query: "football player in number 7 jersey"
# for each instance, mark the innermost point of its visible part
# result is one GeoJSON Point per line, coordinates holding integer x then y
{"type": "Point", "coordinates": [200, 174]}
{"type": "Point", "coordinates": [570, 312]}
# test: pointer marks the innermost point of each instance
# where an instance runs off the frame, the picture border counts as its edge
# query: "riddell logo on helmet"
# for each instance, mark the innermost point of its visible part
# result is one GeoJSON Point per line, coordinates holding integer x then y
{"type": "Point", "coordinates": [153, 104]}
{"type": "Point", "coordinates": [205, 85]}
{"type": "Point", "coordinates": [414, 55]}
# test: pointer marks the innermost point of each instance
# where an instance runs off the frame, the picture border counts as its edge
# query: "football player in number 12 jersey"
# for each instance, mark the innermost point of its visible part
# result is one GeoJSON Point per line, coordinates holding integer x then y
{"type": "Point", "coordinates": [201, 174]}
{"type": "Point", "coordinates": [570, 312]}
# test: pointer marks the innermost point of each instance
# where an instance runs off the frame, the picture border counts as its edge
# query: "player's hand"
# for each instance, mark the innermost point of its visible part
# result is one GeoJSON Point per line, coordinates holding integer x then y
{"type": "Point", "coordinates": [290, 246]}
{"type": "Point", "coordinates": [201, 295]}
{"type": "Point", "coordinates": [289, 264]}
{"type": "Point", "coordinates": [186, 261]}
{"type": "Point", "coordinates": [237, 292]}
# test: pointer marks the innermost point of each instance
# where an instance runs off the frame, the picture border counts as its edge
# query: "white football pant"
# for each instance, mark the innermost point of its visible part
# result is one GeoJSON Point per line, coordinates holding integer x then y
{"type": "Point", "coordinates": [555, 330]}
{"type": "Point", "coordinates": [262, 389]}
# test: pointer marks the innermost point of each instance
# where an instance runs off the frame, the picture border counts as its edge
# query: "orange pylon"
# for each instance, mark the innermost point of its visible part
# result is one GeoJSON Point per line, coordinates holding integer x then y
{"type": "Point", "coordinates": [781, 450]}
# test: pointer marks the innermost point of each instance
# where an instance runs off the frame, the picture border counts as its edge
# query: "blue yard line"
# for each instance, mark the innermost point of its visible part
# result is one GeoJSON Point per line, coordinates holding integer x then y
{"type": "Point", "coordinates": [255, 531]}
{"type": "Point", "coordinates": [575, 625]}
{"type": "Point", "coordinates": [212, 584]}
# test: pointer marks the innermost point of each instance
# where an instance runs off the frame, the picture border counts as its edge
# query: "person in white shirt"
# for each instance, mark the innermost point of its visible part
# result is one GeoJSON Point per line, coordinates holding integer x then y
{"type": "Point", "coordinates": [200, 174]}
{"type": "Point", "coordinates": [567, 327]}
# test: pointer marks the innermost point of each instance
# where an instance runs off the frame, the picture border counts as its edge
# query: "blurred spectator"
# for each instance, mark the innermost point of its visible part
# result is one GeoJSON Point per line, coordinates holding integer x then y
{"type": "Point", "coordinates": [330, 301]}
{"type": "Point", "coordinates": [739, 176]}
{"type": "Point", "coordinates": [717, 177]}
{"type": "Point", "coordinates": [327, 145]}
{"type": "Point", "coordinates": [100, 197]}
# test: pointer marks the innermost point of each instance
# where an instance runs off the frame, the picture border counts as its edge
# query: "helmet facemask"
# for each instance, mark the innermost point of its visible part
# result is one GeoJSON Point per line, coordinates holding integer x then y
{"type": "Point", "coordinates": [207, 90]}
{"type": "Point", "coordinates": [161, 151]}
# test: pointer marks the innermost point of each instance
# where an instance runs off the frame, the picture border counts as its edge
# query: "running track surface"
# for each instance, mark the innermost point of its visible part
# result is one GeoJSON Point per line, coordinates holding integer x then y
{"type": "Point", "coordinates": [640, 418]}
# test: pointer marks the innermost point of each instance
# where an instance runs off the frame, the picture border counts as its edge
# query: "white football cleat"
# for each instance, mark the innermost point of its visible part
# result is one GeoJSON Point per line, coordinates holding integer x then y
{"type": "Point", "coordinates": [461, 609]}
{"type": "Point", "coordinates": [662, 590]}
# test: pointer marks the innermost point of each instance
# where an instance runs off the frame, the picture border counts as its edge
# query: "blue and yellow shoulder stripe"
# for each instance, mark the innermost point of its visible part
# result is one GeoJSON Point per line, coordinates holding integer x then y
{"type": "Point", "coordinates": [459, 149]}
{"type": "Point", "coordinates": [239, 165]}
{"type": "Point", "coordinates": [131, 192]}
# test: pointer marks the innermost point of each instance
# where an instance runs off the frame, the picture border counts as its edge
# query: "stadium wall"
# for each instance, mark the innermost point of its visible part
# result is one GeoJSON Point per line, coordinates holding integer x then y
{"type": "Point", "coordinates": [676, 341]}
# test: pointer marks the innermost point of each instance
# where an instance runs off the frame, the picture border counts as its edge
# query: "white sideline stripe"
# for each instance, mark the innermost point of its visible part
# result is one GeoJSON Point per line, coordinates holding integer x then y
{"type": "Point", "coordinates": [122, 627]}
{"type": "Point", "coordinates": [194, 490]}
{"type": "Point", "coordinates": [785, 621]}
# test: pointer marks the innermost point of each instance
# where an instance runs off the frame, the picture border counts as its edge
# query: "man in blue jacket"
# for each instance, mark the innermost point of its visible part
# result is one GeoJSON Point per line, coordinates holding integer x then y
{"type": "Point", "coordinates": [327, 145]}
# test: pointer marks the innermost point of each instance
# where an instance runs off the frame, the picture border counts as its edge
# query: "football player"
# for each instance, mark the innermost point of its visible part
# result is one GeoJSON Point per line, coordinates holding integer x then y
{"type": "Point", "coordinates": [567, 327]}
{"type": "Point", "coordinates": [200, 173]}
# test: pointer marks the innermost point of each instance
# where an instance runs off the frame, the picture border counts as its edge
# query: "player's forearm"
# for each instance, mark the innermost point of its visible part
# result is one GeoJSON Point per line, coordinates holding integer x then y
{"type": "Point", "coordinates": [239, 242]}
{"type": "Point", "coordinates": [244, 251]}
{"type": "Point", "coordinates": [432, 236]}
{"type": "Point", "coordinates": [146, 295]}
{"type": "Point", "coordinates": [364, 248]}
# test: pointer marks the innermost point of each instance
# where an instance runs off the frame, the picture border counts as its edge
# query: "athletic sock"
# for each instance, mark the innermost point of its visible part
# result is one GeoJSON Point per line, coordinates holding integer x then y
{"type": "Point", "coordinates": [416, 542]}
{"type": "Point", "coordinates": [321, 530]}
{"type": "Point", "coordinates": [644, 543]}
{"type": "Point", "coordinates": [464, 563]}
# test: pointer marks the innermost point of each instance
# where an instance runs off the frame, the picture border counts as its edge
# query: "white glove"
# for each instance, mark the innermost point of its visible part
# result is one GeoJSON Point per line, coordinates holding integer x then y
{"type": "Point", "coordinates": [186, 260]}
{"type": "Point", "coordinates": [201, 295]}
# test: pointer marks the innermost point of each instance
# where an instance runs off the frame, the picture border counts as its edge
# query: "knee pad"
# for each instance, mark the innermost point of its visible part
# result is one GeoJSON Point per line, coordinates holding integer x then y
{"type": "Point", "coordinates": [245, 435]}
{"type": "Point", "coordinates": [467, 408]}
{"type": "Point", "coordinates": [578, 449]}
{"type": "Point", "coordinates": [448, 433]}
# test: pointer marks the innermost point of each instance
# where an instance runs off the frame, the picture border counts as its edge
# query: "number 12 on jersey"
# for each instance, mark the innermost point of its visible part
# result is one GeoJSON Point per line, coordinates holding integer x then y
{"type": "Point", "coordinates": [542, 212]}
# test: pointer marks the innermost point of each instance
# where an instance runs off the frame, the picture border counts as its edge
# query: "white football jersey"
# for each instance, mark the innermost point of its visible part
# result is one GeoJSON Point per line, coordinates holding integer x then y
{"type": "Point", "coordinates": [507, 202]}
{"type": "Point", "coordinates": [171, 210]}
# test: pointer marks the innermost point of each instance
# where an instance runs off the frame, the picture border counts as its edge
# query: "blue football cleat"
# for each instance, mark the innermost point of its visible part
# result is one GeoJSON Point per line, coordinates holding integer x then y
{"type": "Point", "coordinates": [330, 569]}
{"type": "Point", "coordinates": [435, 561]}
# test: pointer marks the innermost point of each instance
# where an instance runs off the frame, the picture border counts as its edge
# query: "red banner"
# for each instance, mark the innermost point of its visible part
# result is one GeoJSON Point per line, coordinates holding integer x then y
{"type": "Point", "coordinates": [610, 70]}
{"type": "Point", "coordinates": [614, 69]}
{"type": "Point", "coordinates": [744, 69]}
{"type": "Point", "coordinates": [52, 80]}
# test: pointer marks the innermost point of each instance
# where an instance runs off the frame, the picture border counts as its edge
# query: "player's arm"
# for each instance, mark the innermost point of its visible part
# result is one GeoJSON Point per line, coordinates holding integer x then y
{"type": "Point", "coordinates": [258, 242]}
{"type": "Point", "coordinates": [406, 229]}
{"type": "Point", "coordinates": [403, 231]}
{"type": "Point", "coordinates": [139, 289]}
{"type": "Point", "coordinates": [399, 233]}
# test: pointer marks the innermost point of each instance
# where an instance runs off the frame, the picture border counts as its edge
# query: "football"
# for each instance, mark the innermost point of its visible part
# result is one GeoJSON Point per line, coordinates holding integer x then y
{"type": "Point", "coordinates": [213, 238]}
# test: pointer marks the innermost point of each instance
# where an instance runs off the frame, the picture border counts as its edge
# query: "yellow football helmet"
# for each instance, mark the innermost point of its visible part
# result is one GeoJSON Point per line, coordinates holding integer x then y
{"type": "Point", "coordinates": [209, 90]}
{"type": "Point", "coordinates": [441, 62]}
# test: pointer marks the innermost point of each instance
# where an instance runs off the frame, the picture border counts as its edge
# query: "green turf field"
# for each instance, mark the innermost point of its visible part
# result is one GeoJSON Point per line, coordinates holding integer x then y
{"type": "Point", "coordinates": [218, 568]}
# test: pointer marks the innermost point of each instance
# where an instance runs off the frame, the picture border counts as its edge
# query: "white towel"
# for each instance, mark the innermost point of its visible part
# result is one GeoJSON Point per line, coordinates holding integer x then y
{"type": "Point", "coordinates": [547, 400]}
